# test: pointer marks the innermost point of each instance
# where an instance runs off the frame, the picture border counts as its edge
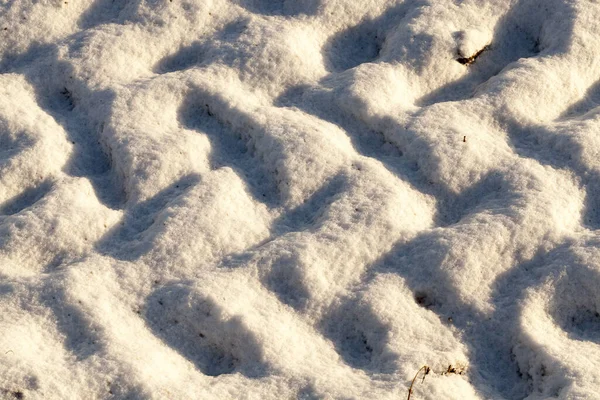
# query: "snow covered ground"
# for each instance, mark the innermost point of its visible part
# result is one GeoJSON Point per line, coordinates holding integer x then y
{"type": "Point", "coordinates": [299, 199]}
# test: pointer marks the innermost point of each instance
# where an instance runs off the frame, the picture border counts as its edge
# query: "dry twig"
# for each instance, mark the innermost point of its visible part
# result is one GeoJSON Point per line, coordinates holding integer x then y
{"type": "Point", "coordinates": [471, 60]}
{"type": "Point", "coordinates": [426, 370]}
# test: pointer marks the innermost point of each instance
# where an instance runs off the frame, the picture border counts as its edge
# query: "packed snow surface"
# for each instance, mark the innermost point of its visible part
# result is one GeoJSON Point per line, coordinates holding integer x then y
{"type": "Point", "coordinates": [299, 199]}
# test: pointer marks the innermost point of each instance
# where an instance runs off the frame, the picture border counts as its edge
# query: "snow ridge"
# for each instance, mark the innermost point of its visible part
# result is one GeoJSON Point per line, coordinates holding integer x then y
{"type": "Point", "coordinates": [241, 199]}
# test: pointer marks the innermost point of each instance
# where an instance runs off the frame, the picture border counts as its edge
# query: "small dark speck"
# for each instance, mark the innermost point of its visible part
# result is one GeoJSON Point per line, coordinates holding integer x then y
{"type": "Point", "coordinates": [18, 395]}
{"type": "Point", "coordinates": [201, 334]}
{"type": "Point", "coordinates": [161, 302]}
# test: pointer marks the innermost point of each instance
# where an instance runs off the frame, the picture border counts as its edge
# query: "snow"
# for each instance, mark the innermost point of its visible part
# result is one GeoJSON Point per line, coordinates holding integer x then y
{"type": "Point", "coordinates": [299, 199]}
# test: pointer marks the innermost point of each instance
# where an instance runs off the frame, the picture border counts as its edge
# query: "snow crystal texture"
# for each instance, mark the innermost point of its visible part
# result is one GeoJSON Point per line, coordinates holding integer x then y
{"type": "Point", "coordinates": [299, 199]}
